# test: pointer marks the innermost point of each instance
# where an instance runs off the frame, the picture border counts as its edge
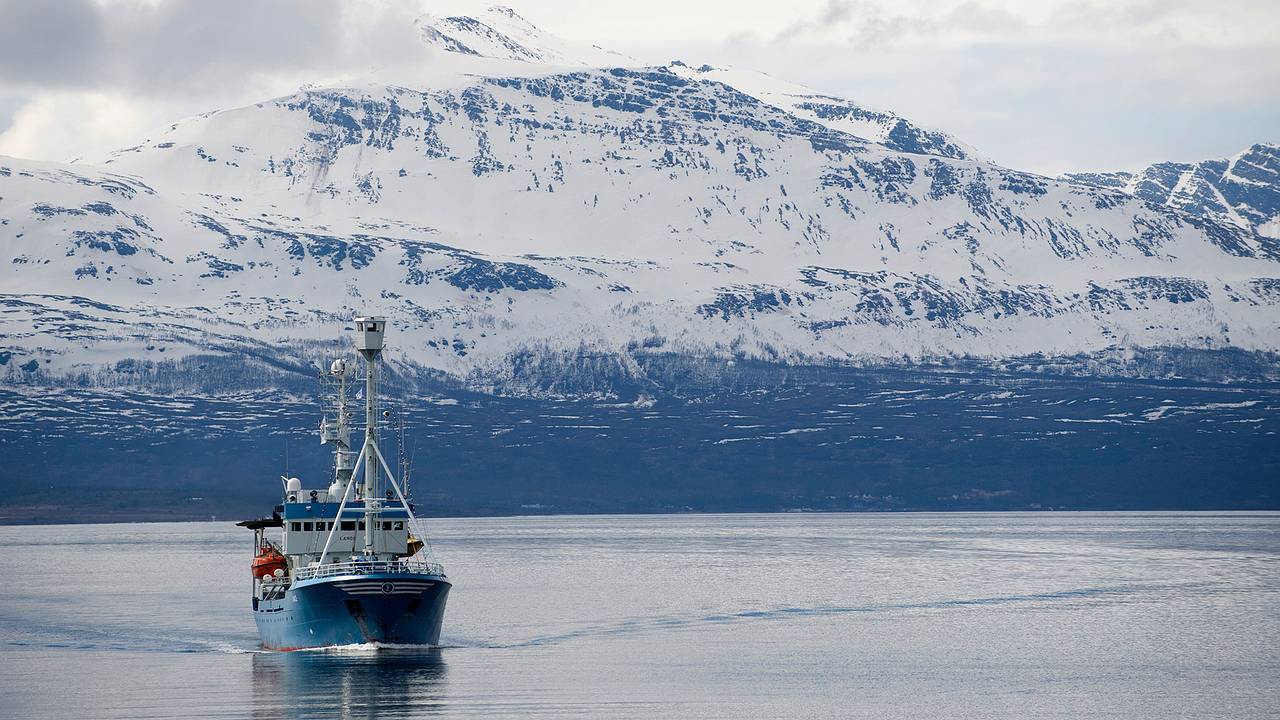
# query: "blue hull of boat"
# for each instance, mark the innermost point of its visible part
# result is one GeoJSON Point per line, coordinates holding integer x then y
{"type": "Point", "coordinates": [397, 608]}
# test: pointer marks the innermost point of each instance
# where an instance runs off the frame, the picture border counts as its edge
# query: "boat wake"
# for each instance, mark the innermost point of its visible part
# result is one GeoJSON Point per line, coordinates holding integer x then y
{"type": "Point", "coordinates": [1093, 595]}
{"type": "Point", "coordinates": [23, 633]}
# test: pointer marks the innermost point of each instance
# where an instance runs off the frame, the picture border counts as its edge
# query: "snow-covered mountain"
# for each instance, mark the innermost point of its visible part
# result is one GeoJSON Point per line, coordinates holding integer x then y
{"type": "Point", "coordinates": [501, 33]}
{"type": "Point", "coordinates": [537, 205]}
{"type": "Point", "coordinates": [1243, 190]}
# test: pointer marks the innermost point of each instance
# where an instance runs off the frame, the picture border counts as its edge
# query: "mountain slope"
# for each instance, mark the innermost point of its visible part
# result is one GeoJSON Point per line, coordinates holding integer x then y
{"type": "Point", "coordinates": [879, 126]}
{"type": "Point", "coordinates": [1242, 190]}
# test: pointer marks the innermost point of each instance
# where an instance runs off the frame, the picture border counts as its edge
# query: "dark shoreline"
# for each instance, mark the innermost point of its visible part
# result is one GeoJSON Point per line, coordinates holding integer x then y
{"type": "Point", "coordinates": [858, 443]}
{"type": "Point", "coordinates": [8, 522]}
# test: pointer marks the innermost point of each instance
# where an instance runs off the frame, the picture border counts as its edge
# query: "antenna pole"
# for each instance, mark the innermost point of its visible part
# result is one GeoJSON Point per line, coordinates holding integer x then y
{"type": "Point", "coordinates": [369, 489]}
{"type": "Point", "coordinates": [369, 332]}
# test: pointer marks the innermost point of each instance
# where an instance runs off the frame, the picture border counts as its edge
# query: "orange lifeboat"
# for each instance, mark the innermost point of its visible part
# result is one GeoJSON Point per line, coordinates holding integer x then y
{"type": "Point", "coordinates": [268, 561]}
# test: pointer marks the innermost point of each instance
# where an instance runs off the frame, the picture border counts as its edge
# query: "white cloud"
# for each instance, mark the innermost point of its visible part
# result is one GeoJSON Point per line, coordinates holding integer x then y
{"type": "Point", "coordinates": [60, 125]}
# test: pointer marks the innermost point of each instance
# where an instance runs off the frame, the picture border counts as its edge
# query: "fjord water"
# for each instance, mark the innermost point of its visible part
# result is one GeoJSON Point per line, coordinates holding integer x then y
{"type": "Point", "coordinates": [843, 615]}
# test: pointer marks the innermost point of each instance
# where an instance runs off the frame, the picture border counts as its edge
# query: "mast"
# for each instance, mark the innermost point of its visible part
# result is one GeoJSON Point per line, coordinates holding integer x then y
{"type": "Point", "coordinates": [343, 460]}
{"type": "Point", "coordinates": [369, 334]}
{"type": "Point", "coordinates": [337, 432]}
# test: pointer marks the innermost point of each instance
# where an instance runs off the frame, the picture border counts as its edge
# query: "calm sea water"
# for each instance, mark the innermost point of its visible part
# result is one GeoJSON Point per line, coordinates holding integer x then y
{"type": "Point", "coordinates": [879, 616]}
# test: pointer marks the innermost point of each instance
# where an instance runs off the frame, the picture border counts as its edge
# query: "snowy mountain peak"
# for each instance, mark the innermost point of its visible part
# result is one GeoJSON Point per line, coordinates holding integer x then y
{"type": "Point", "coordinates": [839, 114]}
{"type": "Point", "coordinates": [1242, 190]}
{"type": "Point", "coordinates": [501, 33]}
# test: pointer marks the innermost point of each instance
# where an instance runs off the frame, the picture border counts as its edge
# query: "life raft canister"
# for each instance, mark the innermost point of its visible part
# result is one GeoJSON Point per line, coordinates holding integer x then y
{"type": "Point", "coordinates": [414, 546]}
{"type": "Point", "coordinates": [267, 562]}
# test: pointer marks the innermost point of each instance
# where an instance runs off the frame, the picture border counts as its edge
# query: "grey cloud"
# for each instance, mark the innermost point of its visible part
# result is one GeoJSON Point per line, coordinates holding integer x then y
{"type": "Point", "coordinates": [56, 41]}
{"type": "Point", "coordinates": [872, 28]}
{"type": "Point", "coordinates": [835, 13]}
{"type": "Point", "coordinates": [744, 39]}
{"type": "Point", "coordinates": [182, 43]}
{"type": "Point", "coordinates": [180, 46]}
{"type": "Point", "coordinates": [879, 32]}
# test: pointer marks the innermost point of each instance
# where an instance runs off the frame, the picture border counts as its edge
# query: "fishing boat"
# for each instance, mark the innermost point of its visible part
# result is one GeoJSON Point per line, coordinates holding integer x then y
{"type": "Point", "coordinates": [346, 563]}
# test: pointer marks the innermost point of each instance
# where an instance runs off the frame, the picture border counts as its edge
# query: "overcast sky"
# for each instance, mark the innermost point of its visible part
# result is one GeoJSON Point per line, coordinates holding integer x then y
{"type": "Point", "coordinates": [1043, 85]}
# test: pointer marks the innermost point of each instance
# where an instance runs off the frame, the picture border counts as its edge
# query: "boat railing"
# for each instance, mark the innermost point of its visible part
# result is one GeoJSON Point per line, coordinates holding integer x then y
{"type": "Point", "coordinates": [368, 567]}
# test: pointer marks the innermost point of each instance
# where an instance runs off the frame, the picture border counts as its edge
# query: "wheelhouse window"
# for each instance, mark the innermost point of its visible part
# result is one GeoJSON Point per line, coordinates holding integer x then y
{"type": "Point", "coordinates": [307, 527]}
{"type": "Point", "coordinates": [386, 524]}
{"type": "Point", "coordinates": [295, 526]}
{"type": "Point", "coordinates": [398, 525]}
{"type": "Point", "coordinates": [348, 524]}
